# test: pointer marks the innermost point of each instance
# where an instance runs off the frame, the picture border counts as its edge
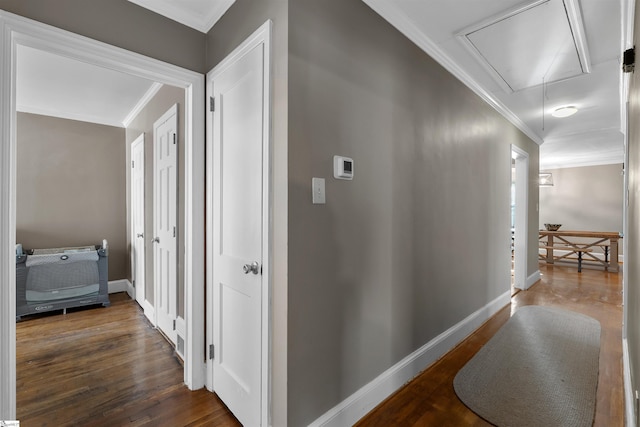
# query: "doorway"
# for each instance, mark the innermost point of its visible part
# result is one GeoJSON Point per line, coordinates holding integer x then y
{"type": "Point", "coordinates": [20, 31]}
{"type": "Point", "coordinates": [239, 229]}
{"type": "Point", "coordinates": [520, 161]}
{"type": "Point", "coordinates": [165, 209]}
{"type": "Point", "coordinates": [138, 251]}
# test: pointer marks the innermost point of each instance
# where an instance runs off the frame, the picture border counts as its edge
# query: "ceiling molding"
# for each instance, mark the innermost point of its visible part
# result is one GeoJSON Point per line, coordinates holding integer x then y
{"type": "Point", "coordinates": [406, 27]}
{"type": "Point", "coordinates": [155, 87]}
{"type": "Point", "coordinates": [181, 13]}
{"type": "Point", "coordinates": [579, 36]}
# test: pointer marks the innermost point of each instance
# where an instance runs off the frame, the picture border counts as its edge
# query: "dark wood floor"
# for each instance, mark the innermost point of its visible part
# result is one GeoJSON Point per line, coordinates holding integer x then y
{"type": "Point", "coordinates": [109, 367]}
{"type": "Point", "coordinates": [429, 400]}
{"type": "Point", "coordinates": [105, 367]}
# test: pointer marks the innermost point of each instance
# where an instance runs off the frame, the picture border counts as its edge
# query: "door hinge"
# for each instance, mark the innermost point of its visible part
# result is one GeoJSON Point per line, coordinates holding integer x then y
{"type": "Point", "coordinates": [174, 232]}
{"type": "Point", "coordinates": [212, 104]}
{"type": "Point", "coordinates": [132, 164]}
{"type": "Point", "coordinates": [175, 138]}
{"type": "Point", "coordinates": [174, 324]}
{"type": "Point", "coordinates": [133, 283]}
{"type": "Point", "coordinates": [211, 352]}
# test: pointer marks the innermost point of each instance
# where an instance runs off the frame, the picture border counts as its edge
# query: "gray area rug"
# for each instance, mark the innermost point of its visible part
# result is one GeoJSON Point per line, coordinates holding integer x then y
{"type": "Point", "coordinates": [540, 369]}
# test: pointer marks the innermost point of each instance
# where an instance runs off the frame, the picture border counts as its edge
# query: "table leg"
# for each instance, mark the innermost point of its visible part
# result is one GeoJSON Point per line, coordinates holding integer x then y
{"type": "Point", "coordinates": [549, 251]}
{"type": "Point", "coordinates": [613, 256]}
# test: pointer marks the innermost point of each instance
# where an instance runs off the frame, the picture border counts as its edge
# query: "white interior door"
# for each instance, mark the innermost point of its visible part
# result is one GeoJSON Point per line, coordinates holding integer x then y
{"type": "Point", "coordinates": [239, 159]}
{"type": "Point", "coordinates": [137, 219]}
{"type": "Point", "coordinates": [165, 258]}
{"type": "Point", "coordinates": [521, 228]}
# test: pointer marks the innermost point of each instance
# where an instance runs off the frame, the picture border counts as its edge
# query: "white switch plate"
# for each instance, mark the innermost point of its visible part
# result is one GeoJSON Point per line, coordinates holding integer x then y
{"type": "Point", "coordinates": [317, 190]}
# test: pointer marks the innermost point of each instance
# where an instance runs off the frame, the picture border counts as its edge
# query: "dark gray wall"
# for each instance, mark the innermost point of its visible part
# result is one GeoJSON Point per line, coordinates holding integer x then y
{"type": "Point", "coordinates": [419, 239]}
{"type": "Point", "coordinates": [584, 198]}
{"type": "Point", "coordinates": [119, 23]}
{"type": "Point", "coordinates": [632, 237]}
{"type": "Point", "coordinates": [71, 186]}
{"type": "Point", "coordinates": [143, 123]}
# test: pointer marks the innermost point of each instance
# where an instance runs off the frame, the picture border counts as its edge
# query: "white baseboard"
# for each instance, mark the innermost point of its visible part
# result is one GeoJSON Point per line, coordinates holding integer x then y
{"type": "Point", "coordinates": [629, 401]}
{"type": "Point", "coordinates": [121, 285]}
{"type": "Point", "coordinates": [533, 278]}
{"type": "Point", "coordinates": [356, 406]}
{"type": "Point", "coordinates": [149, 311]}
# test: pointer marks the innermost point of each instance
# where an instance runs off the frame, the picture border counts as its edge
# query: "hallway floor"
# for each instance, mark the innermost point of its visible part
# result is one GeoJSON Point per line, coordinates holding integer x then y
{"type": "Point", "coordinates": [430, 400]}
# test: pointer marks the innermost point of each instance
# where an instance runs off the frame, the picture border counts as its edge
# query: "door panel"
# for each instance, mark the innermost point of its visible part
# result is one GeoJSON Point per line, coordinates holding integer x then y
{"type": "Point", "coordinates": [238, 131]}
{"type": "Point", "coordinates": [165, 221]}
{"type": "Point", "coordinates": [137, 219]}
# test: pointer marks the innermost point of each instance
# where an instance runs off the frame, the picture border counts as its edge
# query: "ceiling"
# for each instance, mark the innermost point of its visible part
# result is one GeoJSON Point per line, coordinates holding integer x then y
{"type": "Point", "coordinates": [524, 58]}
{"type": "Point", "coordinates": [197, 14]}
{"type": "Point", "coordinates": [528, 58]}
{"type": "Point", "coordinates": [53, 85]}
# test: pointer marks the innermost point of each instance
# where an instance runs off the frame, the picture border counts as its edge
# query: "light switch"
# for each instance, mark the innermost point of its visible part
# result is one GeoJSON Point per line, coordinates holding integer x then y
{"type": "Point", "coordinates": [317, 189]}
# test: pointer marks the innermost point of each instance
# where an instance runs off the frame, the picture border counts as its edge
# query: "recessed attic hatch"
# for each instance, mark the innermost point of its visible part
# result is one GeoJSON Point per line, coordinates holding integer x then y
{"type": "Point", "coordinates": [541, 42]}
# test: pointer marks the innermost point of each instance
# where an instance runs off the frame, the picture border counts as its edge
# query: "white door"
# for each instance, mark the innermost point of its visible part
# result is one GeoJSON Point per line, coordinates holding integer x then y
{"type": "Point", "coordinates": [137, 219]}
{"type": "Point", "coordinates": [239, 160]}
{"type": "Point", "coordinates": [520, 240]}
{"type": "Point", "coordinates": [165, 258]}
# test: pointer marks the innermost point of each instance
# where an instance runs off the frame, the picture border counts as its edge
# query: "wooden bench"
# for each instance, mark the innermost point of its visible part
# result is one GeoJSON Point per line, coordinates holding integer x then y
{"type": "Point", "coordinates": [571, 249]}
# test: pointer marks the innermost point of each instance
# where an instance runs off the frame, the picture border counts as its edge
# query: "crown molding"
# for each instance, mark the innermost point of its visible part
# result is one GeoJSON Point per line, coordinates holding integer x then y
{"type": "Point", "coordinates": [406, 27]}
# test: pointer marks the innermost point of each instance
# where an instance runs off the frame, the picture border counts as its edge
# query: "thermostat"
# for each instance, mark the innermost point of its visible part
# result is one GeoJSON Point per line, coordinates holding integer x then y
{"type": "Point", "coordinates": [342, 167]}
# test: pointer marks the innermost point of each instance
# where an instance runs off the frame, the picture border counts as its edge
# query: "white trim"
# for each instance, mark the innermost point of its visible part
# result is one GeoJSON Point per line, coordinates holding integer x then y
{"type": "Point", "coordinates": [176, 12]}
{"type": "Point", "coordinates": [353, 408]}
{"type": "Point", "coordinates": [7, 227]}
{"type": "Point", "coordinates": [142, 102]}
{"type": "Point", "coordinates": [629, 400]}
{"type": "Point", "coordinates": [533, 278]}
{"type": "Point", "coordinates": [386, 9]}
{"type": "Point", "coordinates": [120, 285]}
{"type": "Point", "coordinates": [17, 30]}
{"type": "Point", "coordinates": [149, 312]}
{"type": "Point", "coordinates": [261, 36]}
{"type": "Point", "coordinates": [521, 241]}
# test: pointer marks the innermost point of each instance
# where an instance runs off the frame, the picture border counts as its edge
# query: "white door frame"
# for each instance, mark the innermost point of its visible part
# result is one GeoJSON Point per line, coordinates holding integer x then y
{"type": "Point", "coordinates": [260, 36]}
{"type": "Point", "coordinates": [139, 282]}
{"type": "Point", "coordinates": [521, 240]}
{"type": "Point", "coordinates": [16, 30]}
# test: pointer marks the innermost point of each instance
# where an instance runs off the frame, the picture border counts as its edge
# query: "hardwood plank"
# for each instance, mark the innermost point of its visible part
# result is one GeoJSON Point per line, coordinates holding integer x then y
{"type": "Point", "coordinates": [105, 367]}
{"type": "Point", "coordinates": [429, 399]}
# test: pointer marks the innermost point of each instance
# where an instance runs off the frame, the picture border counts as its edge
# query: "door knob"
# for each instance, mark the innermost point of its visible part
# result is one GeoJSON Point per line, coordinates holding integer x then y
{"type": "Point", "coordinates": [251, 268]}
{"type": "Point", "coordinates": [140, 235]}
{"type": "Point", "coordinates": [155, 240]}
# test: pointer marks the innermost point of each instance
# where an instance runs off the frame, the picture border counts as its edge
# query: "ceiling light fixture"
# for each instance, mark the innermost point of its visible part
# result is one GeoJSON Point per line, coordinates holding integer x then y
{"type": "Point", "coordinates": [567, 111]}
{"type": "Point", "coordinates": [546, 179]}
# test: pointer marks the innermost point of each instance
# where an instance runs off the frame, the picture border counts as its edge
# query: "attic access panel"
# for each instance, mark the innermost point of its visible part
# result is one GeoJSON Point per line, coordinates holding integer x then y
{"type": "Point", "coordinates": [542, 41]}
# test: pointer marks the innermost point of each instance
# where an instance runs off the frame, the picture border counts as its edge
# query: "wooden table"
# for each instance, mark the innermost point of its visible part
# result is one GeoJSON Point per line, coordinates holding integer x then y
{"type": "Point", "coordinates": [600, 238]}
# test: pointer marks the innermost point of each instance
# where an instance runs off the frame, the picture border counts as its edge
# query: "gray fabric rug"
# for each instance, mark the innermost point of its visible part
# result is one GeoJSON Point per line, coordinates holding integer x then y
{"type": "Point", "coordinates": [540, 369]}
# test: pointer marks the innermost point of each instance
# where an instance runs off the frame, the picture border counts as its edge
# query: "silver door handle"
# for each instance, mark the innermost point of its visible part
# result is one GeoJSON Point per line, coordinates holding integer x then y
{"type": "Point", "coordinates": [155, 240]}
{"type": "Point", "coordinates": [251, 268]}
{"type": "Point", "coordinates": [140, 235]}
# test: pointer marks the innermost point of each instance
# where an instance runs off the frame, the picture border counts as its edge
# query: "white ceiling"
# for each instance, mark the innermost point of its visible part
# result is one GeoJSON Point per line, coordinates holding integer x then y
{"type": "Point", "coordinates": [501, 49]}
{"type": "Point", "coordinates": [197, 14]}
{"type": "Point", "coordinates": [53, 85]}
{"type": "Point", "coordinates": [522, 49]}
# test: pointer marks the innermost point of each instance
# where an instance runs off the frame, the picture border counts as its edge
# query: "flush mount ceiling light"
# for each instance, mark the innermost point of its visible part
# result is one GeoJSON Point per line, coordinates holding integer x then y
{"type": "Point", "coordinates": [567, 111]}
{"type": "Point", "coordinates": [546, 179]}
